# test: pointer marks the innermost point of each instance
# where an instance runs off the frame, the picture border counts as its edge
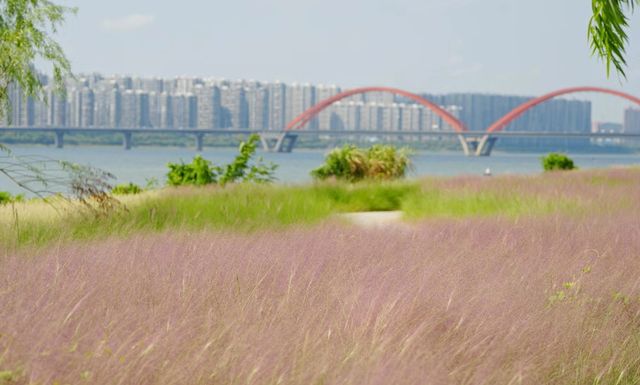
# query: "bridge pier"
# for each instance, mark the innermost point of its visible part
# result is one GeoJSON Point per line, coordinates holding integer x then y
{"type": "Point", "coordinates": [278, 142]}
{"type": "Point", "coordinates": [469, 144]}
{"type": "Point", "coordinates": [474, 146]}
{"type": "Point", "coordinates": [199, 142]}
{"type": "Point", "coordinates": [126, 140]}
{"type": "Point", "coordinates": [59, 139]}
{"type": "Point", "coordinates": [486, 145]}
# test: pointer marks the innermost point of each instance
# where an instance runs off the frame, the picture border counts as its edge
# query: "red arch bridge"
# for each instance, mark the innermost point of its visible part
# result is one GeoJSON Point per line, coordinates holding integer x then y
{"type": "Point", "coordinates": [476, 142]}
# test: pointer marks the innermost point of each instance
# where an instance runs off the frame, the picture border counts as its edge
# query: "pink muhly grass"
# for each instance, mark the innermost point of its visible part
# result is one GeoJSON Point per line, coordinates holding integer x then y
{"type": "Point", "coordinates": [446, 302]}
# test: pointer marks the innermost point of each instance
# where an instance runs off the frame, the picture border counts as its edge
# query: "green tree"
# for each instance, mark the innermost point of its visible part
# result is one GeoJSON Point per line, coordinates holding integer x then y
{"type": "Point", "coordinates": [26, 27]}
{"type": "Point", "coordinates": [555, 162]}
{"type": "Point", "coordinates": [26, 30]}
{"type": "Point", "coordinates": [608, 31]}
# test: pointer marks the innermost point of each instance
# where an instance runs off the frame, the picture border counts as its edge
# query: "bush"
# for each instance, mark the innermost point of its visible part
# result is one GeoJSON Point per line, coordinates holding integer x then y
{"type": "Point", "coordinates": [555, 161]}
{"type": "Point", "coordinates": [6, 198]}
{"type": "Point", "coordinates": [382, 162]}
{"type": "Point", "coordinates": [388, 162]}
{"type": "Point", "coordinates": [348, 163]}
{"type": "Point", "coordinates": [126, 189]}
{"type": "Point", "coordinates": [199, 172]}
{"type": "Point", "coordinates": [202, 172]}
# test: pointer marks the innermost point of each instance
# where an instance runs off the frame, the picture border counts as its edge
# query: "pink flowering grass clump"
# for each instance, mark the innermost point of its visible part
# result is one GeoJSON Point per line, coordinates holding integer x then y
{"type": "Point", "coordinates": [551, 300]}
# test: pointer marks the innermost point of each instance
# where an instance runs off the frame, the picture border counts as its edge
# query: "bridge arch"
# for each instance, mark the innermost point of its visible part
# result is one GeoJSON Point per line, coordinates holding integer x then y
{"type": "Point", "coordinates": [304, 118]}
{"type": "Point", "coordinates": [501, 123]}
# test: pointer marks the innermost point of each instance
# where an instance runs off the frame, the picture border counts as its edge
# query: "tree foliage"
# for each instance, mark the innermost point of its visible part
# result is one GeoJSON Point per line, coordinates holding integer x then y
{"type": "Point", "coordinates": [555, 161]}
{"type": "Point", "coordinates": [26, 27]}
{"type": "Point", "coordinates": [26, 30]}
{"type": "Point", "coordinates": [607, 31]}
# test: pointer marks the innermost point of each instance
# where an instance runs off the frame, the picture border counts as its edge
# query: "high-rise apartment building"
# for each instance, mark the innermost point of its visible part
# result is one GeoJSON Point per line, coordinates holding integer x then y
{"type": "Point", "coordinates": [371, 116]}
{"type": "Point", "coordinates": [324, 118]}
{"type": "Point", "coordinates": [258, 104]}
{"type": "Point", "coordinates": [300, 97]}
{"type": "Point", "coordinates": [165, 102]}
{"type": "Point", "coordinates": [129, 117]}
{"type": "Point", "coordinates": [235, 109]}
{"type": "Point", "coordinates": [631, 121]}
{"type": "Point", "coordinates": [115, 107]}
{"type": "Point", "coordinates": [185, 111]}
{"type": "Point", "coordinates": [87, 107]}
{"type": "Point", "coordinates": [57, 109]}
{"type": "Point", "coordinates": [277, 106]}
{"type": "Point", "coordinates": [208, 106]}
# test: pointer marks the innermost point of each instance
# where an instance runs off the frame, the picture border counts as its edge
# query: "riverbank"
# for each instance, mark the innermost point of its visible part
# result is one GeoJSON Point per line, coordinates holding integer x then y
{"type": "Point", "coordinates": [513, 279]}
{"type": "Point", "coordinates": [250, 208]}
{"type": "Point", "coordinates": [150, 163]}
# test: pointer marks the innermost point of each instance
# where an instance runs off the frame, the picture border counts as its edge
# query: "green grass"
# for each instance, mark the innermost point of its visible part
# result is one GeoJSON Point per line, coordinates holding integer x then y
{"type": "Point", "coordinates": [381, 196]}
{"type": "Point", "coordinates": [251, 207]}
{"type": "Point", "coordinates": [439, 203]}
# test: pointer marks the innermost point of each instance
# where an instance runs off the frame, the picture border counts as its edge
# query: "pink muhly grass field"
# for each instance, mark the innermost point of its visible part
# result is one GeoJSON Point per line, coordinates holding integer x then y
{"type": "Point", "coordinates": [488, 301]}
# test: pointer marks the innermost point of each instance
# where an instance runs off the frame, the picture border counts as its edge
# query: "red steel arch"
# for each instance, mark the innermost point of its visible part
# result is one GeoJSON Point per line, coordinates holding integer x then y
{"type": "Point", "coordinates": [501, 123]}
{"type": "Point", "coordinates": [312, 112]}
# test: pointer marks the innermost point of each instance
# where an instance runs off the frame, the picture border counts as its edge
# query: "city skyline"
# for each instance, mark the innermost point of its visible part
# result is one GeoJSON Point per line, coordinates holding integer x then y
{"type": "Point", "coordinates": [491, 46]}
{"type": "Point", "coordinates": [97, 101]}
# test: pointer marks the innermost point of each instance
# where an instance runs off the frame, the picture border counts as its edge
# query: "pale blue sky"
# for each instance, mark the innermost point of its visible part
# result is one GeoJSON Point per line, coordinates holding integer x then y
{"type": "Point", "coordinates": [437, 46]}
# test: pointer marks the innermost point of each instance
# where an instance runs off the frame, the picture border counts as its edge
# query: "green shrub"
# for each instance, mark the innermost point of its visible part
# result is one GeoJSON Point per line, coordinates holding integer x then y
{"type": "Point", "coordinates": [555, 161]}
{"type": "Point", "coordinates": [382, 162]}
{"type": "Point", "coordinates": [126, 189]}
{"type": "Point", "coordinates": [241, 170]}
{"type": "Point", "coordinates": [199, 172]}
{"type": "Point", "coordinates": [202, 172]}
{"type": "Point", "coordinates": [348, 163]}
{"type": "Point", "coordinates": [388, 162]}
{"type": "Point", "coordinates": [6, 198]}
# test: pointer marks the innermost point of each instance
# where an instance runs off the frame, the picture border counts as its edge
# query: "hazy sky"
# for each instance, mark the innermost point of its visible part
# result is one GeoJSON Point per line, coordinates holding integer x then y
{"type": "Point", "coordinates": [437, 46]}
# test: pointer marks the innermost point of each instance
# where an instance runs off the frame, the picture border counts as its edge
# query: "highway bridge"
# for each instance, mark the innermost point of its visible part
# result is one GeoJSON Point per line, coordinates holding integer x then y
{"type": "Point", "coordinates": [284, 141]}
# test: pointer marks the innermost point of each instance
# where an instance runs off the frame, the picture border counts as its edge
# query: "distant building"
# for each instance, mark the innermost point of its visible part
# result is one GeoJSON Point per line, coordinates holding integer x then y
{"type": "Point", "coordinates": [165, 101]}
{"type": "Point", "coordinates": [235, 109]}
{"type": "Point", "coordinates": [300, 97]}
{"type": "Point", "coordinates": [632, 121]}
{"type": "Point", "coordinates": [479, 111]}
{"type": "Point", "coordinates": [324, 118]}
{"type": "Point", "coordinates": [258, 105]}
{"type": "Point", "coordinates": [209, 106]}
{"type": "Point", "coordinates": [185, 111]}
{"type": "Point", "coordinates": [277, 105]}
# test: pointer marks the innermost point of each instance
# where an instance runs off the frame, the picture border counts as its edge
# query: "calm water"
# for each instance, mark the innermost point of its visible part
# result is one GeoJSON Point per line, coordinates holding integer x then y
{"type": "Point", "coordinates": [142, 163]}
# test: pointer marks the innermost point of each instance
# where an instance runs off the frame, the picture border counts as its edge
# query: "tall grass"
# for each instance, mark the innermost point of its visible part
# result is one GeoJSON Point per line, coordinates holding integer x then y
{"type": "Point", "coordinates": [248, 207]}
{"type": "Point", "coordinates": [482, 301]}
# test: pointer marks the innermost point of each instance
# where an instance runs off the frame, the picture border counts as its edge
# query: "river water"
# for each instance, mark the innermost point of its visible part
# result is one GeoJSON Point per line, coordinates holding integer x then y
{"type": "Point", "coordinates": [142, 163]}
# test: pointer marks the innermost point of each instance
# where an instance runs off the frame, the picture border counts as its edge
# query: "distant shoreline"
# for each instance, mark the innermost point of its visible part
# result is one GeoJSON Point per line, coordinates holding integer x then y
{"type": "Point", "coordinates": [228, 143]}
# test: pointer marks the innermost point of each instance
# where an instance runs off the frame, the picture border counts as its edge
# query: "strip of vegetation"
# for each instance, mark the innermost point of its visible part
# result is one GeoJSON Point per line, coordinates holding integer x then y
{"type": "Point", "coordinates": [206, 196]}
{"type": "Point", "coordinates": [439, 203]}
{"type": "Point", "coordinates": [251, 207]}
